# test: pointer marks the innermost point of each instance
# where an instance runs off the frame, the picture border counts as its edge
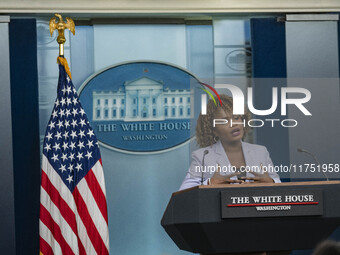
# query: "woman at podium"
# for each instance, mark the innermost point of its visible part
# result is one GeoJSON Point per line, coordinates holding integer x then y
{"type": "Point", "coordinates": [224, 158]}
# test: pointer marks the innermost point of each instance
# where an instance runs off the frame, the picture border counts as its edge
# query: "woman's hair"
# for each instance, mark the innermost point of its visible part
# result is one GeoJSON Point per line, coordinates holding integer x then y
{"type": "Point", "coordinates": [204, 129]}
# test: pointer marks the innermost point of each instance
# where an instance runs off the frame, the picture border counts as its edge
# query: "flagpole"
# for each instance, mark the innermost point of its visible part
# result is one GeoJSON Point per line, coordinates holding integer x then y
{"type": "Point", "coordinates": [61, 26]}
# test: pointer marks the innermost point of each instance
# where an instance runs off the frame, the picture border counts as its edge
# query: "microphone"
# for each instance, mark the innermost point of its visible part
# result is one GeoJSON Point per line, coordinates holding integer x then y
{"type": "Point", "coordinates": [204, 153]}
{"type": "Point", "coordinates": [315, 159]}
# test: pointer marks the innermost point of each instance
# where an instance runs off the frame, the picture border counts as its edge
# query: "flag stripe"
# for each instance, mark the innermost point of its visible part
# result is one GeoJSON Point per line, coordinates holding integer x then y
{"type": "Point", "coordinates": [46, 234]}
{"type": "Point", "coordinates": [97, 193]}
{"type": "Point", "coordinates": [65, 229]}
{"type": "Point", "coordinates": [46, 218]}
{"type": "Point", "coordinates": [81, 247]}
{"type": "Point", "coordinates": [89, 225]}
{"type": "Point", "coordinates": [85, 240]}
{"type": "Point", "coordinates": [99, 173]}
{"type": "Point", "coordinates": [65, 210]}
{"type": "Point", "coordinates": [83, 236]}
{"type": "Point", "coordinates": [92, 207]}
{"type": "Point", "coordinates": [45, 249]}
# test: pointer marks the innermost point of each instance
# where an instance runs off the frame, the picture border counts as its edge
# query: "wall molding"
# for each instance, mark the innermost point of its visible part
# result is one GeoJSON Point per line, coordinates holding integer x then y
{"type": "Point", "coordinates": [169, 6]}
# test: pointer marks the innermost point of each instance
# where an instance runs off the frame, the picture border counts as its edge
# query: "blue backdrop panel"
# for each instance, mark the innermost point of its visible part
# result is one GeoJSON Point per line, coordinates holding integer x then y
{"type": "Point", "coordinates": [26, 153]}
{"type": "Point", "coordinates": [268, 38]}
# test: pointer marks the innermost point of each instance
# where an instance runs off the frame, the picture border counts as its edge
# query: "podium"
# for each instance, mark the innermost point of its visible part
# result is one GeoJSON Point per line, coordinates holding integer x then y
{"type": "Point", "coordinates": [253, 217]}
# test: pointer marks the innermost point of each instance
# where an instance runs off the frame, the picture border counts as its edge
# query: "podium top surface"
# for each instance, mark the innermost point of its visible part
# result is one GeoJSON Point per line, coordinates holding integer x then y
{"type": "Point", "coordinates": [251, 185]}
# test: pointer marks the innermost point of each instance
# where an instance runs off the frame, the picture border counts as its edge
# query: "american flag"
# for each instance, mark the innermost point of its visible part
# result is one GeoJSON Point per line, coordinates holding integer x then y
{"type": "Point", "coordinates": [73, 210]}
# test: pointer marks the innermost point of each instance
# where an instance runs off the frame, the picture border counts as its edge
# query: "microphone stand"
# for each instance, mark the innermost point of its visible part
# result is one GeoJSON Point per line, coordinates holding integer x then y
{"type": "Point", "coordinates": [204, 153]}
{"type": "Point", "coordinates": [315, 159]}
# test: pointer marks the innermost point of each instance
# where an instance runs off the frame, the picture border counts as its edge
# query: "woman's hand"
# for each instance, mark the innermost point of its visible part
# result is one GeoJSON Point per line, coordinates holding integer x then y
{"type": "Point", "coordinates": [259, 178]}
{"type": "Point", "coordinates": [217, 178]}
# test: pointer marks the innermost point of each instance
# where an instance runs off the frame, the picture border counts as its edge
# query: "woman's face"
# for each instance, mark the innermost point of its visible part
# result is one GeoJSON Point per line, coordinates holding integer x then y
{"type": "Point", "coordinates": [225, 132]}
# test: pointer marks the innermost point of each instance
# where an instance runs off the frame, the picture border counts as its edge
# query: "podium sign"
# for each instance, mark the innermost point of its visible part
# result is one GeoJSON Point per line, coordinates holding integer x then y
{"type": "Point", "coordinates": [271, 203]}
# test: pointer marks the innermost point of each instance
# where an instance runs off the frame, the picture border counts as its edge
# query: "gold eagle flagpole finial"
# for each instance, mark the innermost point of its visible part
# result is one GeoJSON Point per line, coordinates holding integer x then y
{"type": "Point", "coordinates": [61, 26]}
